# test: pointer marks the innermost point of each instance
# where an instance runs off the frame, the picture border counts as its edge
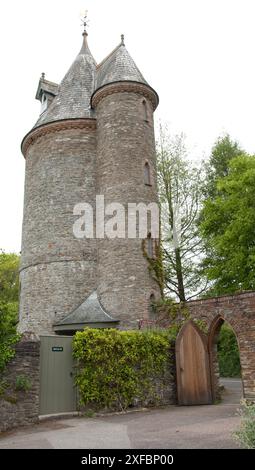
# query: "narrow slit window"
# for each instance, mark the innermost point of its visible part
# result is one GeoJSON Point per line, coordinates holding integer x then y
{"type": "Point", "coordinates": [145, 111]}
{"type": "Point", "coordinates": [147, 174]}
{"type": "Point", "coordinates": [149, 246]}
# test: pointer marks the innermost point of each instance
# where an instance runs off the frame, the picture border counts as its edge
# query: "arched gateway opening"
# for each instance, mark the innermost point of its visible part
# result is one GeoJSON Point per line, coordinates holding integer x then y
{"type": "Point", "coordinates": [208, 364]}
{"type": "Point", "coordinates": [225, 364]}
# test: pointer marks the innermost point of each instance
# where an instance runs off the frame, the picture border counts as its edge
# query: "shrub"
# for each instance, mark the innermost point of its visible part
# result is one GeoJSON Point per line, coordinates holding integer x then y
{"type": "Point", "coordinates": [9, 296]}
{"type": "Point", "coordinates": [22, 384]}
{"type": "Point", "coordinates": [8, 335]}
{"type": "Point", "coordinates": [116, 367]}
{"type": "Point", "coordinates": [245, 435]}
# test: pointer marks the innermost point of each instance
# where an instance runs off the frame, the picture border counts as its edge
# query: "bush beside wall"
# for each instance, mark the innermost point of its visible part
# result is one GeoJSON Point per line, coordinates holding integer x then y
{"type": "Point", "coordinates": [120, 369]}
{"type": "Point", "coordinates": [245, 435]}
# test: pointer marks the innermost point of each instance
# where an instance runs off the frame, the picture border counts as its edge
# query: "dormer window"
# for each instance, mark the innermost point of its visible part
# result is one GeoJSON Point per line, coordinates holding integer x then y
{"type": "Point", "coordinates": [44, 102]}
{"type": "Point", "coordinates": [46, 92]}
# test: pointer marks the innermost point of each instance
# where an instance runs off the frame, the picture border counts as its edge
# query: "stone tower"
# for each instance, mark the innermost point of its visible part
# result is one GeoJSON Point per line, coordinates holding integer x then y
{"type": "Point", "coordinates": [94, 136]}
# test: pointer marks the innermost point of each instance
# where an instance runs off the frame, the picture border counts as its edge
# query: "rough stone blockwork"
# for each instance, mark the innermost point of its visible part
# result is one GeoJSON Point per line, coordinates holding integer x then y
{"type": "Point", "coordinates": [125, 141]}
{"type": "Point", "coordinates": [165, 387]}
{"type": "Point", "coordinates": [20, 408]}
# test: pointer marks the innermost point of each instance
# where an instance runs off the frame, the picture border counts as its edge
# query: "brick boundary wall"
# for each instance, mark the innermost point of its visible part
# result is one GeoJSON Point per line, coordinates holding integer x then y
{"type": "Point", "coordinates": [239, 312]}
{"type": "Point", "coordinates": [20, 408]}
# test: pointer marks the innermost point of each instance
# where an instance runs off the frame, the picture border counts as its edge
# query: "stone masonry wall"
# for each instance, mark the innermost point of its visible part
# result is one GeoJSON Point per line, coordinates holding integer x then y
{"type": "Point", "coordinates": [125, 142]}
{"type": "Point", "coordinates": [58, 271]}
{"type": "Point", "coordinates": [19, 408]}
{"type": "Point", "coordinates": [165, 386]}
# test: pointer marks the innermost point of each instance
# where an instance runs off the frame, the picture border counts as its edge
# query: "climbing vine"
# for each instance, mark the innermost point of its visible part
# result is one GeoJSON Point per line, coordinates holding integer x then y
{"type": "Point", "coordinates": [155, 264]}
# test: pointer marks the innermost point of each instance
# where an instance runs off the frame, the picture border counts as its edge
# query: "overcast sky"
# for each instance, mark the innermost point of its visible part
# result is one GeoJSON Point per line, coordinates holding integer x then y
{"type": "Point", "coordinates": [197, 54]}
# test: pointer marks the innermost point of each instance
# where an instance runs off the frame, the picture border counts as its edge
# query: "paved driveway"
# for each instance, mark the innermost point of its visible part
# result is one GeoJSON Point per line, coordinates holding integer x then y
{"type": "Point", "coordinates": [191, 427]}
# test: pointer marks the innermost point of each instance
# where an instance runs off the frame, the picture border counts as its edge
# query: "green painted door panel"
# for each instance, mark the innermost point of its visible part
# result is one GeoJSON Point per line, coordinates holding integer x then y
{"type": "Point", "coordinates": [57, 391]}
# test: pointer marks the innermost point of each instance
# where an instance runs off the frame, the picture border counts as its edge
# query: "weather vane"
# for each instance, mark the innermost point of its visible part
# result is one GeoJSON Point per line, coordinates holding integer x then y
{"type": "Point", "coordinates": [85, 21]}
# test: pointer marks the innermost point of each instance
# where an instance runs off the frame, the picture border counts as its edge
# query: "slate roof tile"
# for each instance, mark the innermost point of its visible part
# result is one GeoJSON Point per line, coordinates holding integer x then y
{"type": "Point", "coordinates": [83, 78]}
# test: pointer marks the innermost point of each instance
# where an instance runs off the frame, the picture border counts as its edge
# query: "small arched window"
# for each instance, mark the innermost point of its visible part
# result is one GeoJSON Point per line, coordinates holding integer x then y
{"type": "Point", "coordinates": [149, 245]}
{"type": "Point", "coordinates": [152, 306]}
{"type": "Point", "coordinates": [147, 174]}
{"type": "Point", "coordinates": [145, 111]}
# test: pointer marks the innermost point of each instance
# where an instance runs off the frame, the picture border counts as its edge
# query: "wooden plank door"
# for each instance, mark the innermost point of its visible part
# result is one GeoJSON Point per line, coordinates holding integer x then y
{"type": "Point", "coordinates": [192, 366]}
{"type": "Point", "coordinates": [57, 391]}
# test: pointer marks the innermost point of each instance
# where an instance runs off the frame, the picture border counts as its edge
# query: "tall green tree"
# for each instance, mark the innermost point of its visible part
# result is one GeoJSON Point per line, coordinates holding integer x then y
{"type": "Point", "coordinates": [9, 277]}
{"type": "Point", "coordinates": [223, 151]}
{"type": "Point", "coordinates": [179, 185]}
{"type": "Point", "coordinates": [9, 296]}
{"type": "Point", "coordinates": [227, 224]}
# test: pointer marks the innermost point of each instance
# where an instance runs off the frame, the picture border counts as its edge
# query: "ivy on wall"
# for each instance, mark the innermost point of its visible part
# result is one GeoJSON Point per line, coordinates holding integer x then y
{"type": "Point", "coordinates": [115, 368]}
{"type": "Point", "coordinates": [155, 264]}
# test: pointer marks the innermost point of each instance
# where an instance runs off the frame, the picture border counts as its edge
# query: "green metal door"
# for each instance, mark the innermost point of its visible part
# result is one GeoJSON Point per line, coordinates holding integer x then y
{"type": "Point", "coordinates": [57, 391]}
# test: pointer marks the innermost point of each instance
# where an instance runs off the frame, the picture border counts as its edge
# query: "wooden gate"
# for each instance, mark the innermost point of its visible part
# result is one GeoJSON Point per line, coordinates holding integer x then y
{"type": "Point", "coordinates": [57, 391]}
{"type": "Point", "coordinates": [192, 366]}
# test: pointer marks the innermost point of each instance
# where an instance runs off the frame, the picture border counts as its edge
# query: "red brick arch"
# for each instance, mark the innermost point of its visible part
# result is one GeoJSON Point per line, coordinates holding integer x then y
{"type": "Point", "coordinates": [239, 312]}
{"type": "Point", "coordinates": [213, 335]}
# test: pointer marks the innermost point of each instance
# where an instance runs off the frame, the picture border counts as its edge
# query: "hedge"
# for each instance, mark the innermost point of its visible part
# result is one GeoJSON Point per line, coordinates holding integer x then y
{"type": "Point", "coordinates": [114, 367]}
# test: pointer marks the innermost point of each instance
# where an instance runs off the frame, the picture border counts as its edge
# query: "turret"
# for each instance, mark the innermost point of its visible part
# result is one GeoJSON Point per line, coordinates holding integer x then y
{"type": "Point", "coordinates": [125, 173]}
{"type": "Point", "coordinates": [94, 139]}
{"type": "Point", "coordinates": [58, 271]}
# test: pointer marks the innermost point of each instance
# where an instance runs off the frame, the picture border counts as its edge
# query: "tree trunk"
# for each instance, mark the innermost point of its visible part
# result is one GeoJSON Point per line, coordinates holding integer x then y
{"type": "Point", "coordinates": [181, 291]}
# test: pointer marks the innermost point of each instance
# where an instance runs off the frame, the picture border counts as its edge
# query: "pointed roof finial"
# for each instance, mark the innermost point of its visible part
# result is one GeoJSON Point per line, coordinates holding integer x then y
{"type": "Point", "coordinates": [85, 22]}
{"type": "Point", "coordinates": [122, 40]}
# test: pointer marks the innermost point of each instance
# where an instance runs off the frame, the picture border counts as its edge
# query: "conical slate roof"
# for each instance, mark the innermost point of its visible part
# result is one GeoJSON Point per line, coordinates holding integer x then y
{"type": "Point", "coordinates": [89, 313]}
{"type": "Point", "coordinates": [75, 90]}
{"type": "Point", "coordinates": [72, 98]}
{"type": "Point", "coordinates": [118, 66]}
